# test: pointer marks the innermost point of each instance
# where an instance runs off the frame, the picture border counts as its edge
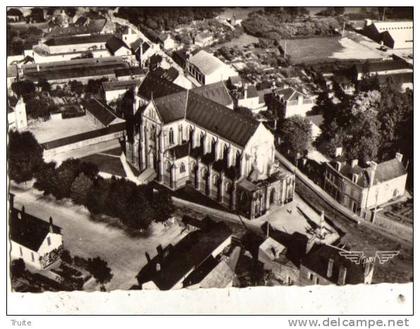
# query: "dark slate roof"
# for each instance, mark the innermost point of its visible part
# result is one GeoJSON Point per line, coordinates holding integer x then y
{"type": "Point", "coordinates": [72, 40]}
{"type": "Point", "coordinates": [388, 170]}
{"type": "Point", "coordinates": [174, 103]}
{"type": "Point", "coordinates": [129, 71]}
{"type": "Point", "coordinates": [317, 261]}
{"type": "Point", "coordinates": [231, 125]}
{"type": "Point", "coordinates": [388, 65]}
{"type": "Point", "coordinates": [29, 231]}
{"type": "Point", "coordinates": [217, 92]}
{"type": "Point", "coordinates": [84, 136]}
{"type": "Point", "coordinates": [114, 43]}
{"type": "Point", "coordinates": [81, 21]}
{"type": "Point", "coordinates": [100, 111]}
{"type": "Point", "coordinates": [180, 151]}
{"type": "Point", "coordinates": [120, 84]}
{"type": "Point", "coordinates": [136, 44]}
{"type": "Point", "coordinates": [170, 74]}
{"type": "Point", "coordinates": [73, 69]}
{"type": "Point", "coordinates": [187, 254]}
{"type": "Point", "coordinates": [385, 171]}
{"type": "Point", "coordinates": [158, 87]}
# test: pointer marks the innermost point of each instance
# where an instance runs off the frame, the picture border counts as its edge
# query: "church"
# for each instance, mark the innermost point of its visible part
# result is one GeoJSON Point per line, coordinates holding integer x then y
{"type": "Point", "coordinates": [182, 137]}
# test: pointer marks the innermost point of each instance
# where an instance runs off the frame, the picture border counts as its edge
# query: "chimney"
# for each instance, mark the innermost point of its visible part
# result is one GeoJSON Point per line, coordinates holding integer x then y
{"type": "Point", "coordinates": [354, 163]}
{"type": "Point", "coordinates": [373, 166]}
{"type": "Point", "coordinates": [330, 268]}
{"type": "Point", "coordinates": [37, 67]}
{"type": "Point", "coordinates": [51, 227]}
{"type": "Point", "coordinates": [342, 273]}
{"type": "Point", "coordinates": [245, 91]}
{"type": "Point", "coordinates": [147, 256]}
{"type": "Point", "coordinates": [398, 156]}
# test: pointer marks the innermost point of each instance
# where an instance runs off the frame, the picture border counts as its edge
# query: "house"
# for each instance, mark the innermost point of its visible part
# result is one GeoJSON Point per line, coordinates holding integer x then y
{"type": "Point", "coordinates": [203, 39]}
{"type": "Point", "coordinates": [83, 25]}
{"type": "Point", "coordinates": [393, 34]}
{"type": "Point", "coordinates": [206, 68]}
{"type": "Point", "coordinates": [16, 116]}
{"type": "Point", "coordinates": [143, 50]}
{"type": "Point", "coordinates": [188, 262]}
{"type": "Point", "coordinates": [185, 138]}
{"type": "Point", "coordinates": [361, 189]}
{"type": "Point", "coordinates": [130, 73]}
{"type": "Point", "coordinates": [112, 90]}
{"type": "Point", "coordinates": [32, 239]}
{"type": "Point", "coordinates": [248, 97]}
{"type": "Point", "coordinates": [293, 102]}
{"type": "Point", "coordinates": [326, 264]}
{"type": "Point", "coordinates": [166, 41]}
{"type": "Point", "coordinates": [273, 255]}
{"type": "Point", "coordinates": [14, 15]}
{"type": "Point", "coordinates": [117, 47]}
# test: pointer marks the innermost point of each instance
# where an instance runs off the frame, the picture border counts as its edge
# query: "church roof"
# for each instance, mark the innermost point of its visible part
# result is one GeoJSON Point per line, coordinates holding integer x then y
{"type": "Point", "coordinates": [175, 103]}
{"type": "Point", "coordinates": [217, 92]}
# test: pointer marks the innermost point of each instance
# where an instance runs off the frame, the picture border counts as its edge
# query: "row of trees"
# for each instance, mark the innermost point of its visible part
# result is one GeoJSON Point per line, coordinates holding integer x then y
{"type": "Point", "coordinates": [135, 206]}
{"type": "Point", "coordinates": [277, 24]}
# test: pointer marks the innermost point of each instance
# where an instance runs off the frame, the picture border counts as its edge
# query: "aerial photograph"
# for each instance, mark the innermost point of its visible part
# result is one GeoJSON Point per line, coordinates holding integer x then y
{"type": "Point", "coordinates": [167, 148]}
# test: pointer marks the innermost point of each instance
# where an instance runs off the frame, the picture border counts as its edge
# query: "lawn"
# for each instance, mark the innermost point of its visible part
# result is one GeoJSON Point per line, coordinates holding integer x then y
{"type": "Point", "coordinates": [330, 49]}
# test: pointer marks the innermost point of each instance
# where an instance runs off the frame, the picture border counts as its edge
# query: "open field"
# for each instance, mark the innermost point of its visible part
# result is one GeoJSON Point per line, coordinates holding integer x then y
{"type": "Point", "coordinates": [315, 50]}
{"type": "Point", "coordinates": [50, 130]}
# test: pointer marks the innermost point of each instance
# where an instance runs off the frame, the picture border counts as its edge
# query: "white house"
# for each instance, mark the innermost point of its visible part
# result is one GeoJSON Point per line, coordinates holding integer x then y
{"type": "Point", "coordinates": [114, 89]}
{"type": "Point", "coordinates": [36, 241]}
{"type": "Point", "coordinates": [206, 68]}
{"type": "Point", "coordinates": [16, 116]}
{"type": "Point", "coordinates": [394, 34]}
{"type": "Point", "coordinates": [294, 102]}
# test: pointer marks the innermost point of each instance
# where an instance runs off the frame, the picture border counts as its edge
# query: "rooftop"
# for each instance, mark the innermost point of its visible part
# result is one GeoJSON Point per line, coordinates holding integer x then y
{"type": "Point", "coordinates": [113, 44]}
{"type": "Point", "coordinates": [176, 261]}
{"type": "Point", "coordinates": [207, 63]}
{"type": "Point", "coordinates": [217, 92]}
{"type": "Point", "coordinates": [101, 111]}
{"type": "Point", "coordinates": [29, 231]}
{"type": "Point", "coordinates": [120, 84]}
{"type": "Point", "coordinates": [73, 40]}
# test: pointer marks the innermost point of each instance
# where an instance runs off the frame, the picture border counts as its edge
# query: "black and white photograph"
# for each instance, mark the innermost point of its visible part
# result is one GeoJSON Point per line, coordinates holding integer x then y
{"type": "Point", "coordinates": [210, 150]}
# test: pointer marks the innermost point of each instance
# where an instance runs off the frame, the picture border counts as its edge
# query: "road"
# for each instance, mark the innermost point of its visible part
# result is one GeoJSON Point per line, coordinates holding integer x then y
{"type": "Point", "coordinates": [85, 237]}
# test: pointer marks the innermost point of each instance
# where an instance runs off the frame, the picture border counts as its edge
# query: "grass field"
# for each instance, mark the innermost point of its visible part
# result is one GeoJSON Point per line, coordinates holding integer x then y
{"type": "Point", "coordinates": [316, 50]}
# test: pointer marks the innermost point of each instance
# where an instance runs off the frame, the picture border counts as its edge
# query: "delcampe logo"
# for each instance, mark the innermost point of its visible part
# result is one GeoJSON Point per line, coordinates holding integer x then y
{"type": "Point", "coordinates": [361, 257]}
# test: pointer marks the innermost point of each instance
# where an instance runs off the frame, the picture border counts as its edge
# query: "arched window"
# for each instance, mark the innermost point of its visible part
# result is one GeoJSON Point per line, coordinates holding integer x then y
{"type": "Point", "coordinates": [168, 166]}
{"type": "Point", "coordinates": [215, 179]}
{"type": "Point", "coordinates": [182, 167]}
{"type": "Point", "coordinates": [171, 136]}
{"type": "Point", "coordinates": [228, 187]}
{"type": "Point", "coordinates": [204, 173]}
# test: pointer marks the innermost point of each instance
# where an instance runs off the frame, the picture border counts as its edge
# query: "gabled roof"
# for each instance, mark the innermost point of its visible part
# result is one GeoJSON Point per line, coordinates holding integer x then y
{"type": "Point", "coordinates": [317, 261]}
{"type": "Point", "coordinates": [94, 26]}
{"type": "Point", "coordinates": [217, 92]}
{"type": "Point", "coordinates": [177, 261]}
{"type": "Point", "coordinates": [73, 40]}
{"type": "Point", "coordinates": [207, 63]}
{"type": "Point", "coordinates": [14, 12]}
{"type": "Point", "coordinates": [29, 231]}
{"type": "Point", "coordinates": [114, 43]}
{"type": "Point", "coordinates": [174, 103]}
{"type": "Point", "coordinates": [135, 45]}
{"type": "Point", "coordinates": [102, 112]}
{"type": "Point", "coordinates": [388, 170]}
{"type": "Point", "coordinates": [120, 84]}
{"type": "Point", "coordinates": [157, 87]}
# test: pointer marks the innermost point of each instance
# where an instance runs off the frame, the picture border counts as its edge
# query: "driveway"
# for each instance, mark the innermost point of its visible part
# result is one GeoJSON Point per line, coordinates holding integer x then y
{"type": "Point", "coordinates": [85, 237]}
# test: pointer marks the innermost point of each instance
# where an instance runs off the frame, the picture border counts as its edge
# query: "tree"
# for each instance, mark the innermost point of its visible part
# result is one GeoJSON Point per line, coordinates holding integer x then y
{"type": "Point", "coordinates": [25, 156]}
{"type": "Point", "coordinates": [44, 85]}
{"type": "Point", "coordinates": [17, 268]}
{"type": "Point", "coordinates": [162, 205]}
{"type": "Point", "coordinates": [296, 134]}
{"type": "Point", "coordinates": [66, 256]}
{"type": "Point", "coordinates": [100, 270]}
{"type": "Point", "coordinates": [23, 87]}
{"type": "Point", "coordinates": [139, 214]}
{"type": "Point", "coordinates": [98, 196]}
{"type": "Point", "coordinates": [46, 178]}
{"type": "Point", "coordinates": [66, 174]}
{"type": "Point", "coordinates": [80, 189]}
